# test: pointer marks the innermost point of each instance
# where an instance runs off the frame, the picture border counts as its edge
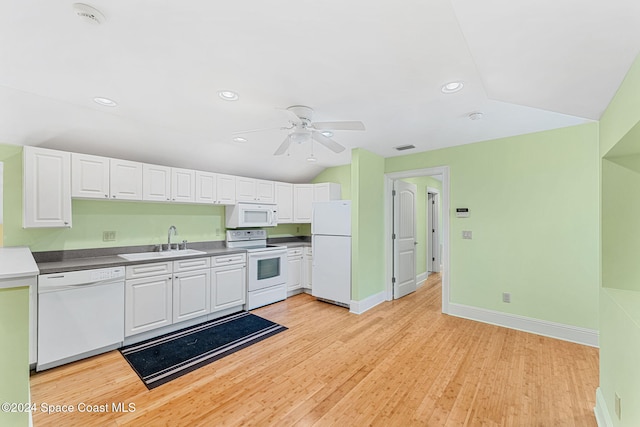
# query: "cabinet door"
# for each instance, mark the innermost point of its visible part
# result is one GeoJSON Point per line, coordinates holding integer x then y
{"type": "Point", "coordinates": [183, 185]}
{"type": "Point", "coordinates": [147, 304]}
{"type": "Point", "coordinates": [226, 189]}
{"type": "Point", "coordinates": [47, 188]}
{"type": "Point", "coordinates": [89, 176]}
{"type": "Point", "coordinates": [205, 187]}
{"type": "Point", "coordinates": [302, 202]}
{"type": "Point", "coordinates": [245, 189]}
{"type": "Point", "coordinates": [265, 191]}
{"type": "Point", "coordinates": [156, 182]}
{"type": "Point", "coordinates": [326, 191]}
{"type": "Point", "coordinates": [284, 200]}
{"type": "Point", "coordinates": [191, 294]}
{"type": "Point", "coordinates": [294, 273]}
{"type": "Point", "coordinates": [125, 180]}
{"type": "Point", "coordinates": [228, 286]}
{"type": "Point", "coordinates": [307, 263]}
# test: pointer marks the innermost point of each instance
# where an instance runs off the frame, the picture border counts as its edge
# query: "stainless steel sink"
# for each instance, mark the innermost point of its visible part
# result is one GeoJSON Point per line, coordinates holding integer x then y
{"type": "Point", "coordinates": [140, 256]}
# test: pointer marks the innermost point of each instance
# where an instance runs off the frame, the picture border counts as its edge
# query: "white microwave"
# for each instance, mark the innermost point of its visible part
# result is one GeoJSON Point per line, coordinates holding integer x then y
{"type": "Point", "coordinates": [243, 215]}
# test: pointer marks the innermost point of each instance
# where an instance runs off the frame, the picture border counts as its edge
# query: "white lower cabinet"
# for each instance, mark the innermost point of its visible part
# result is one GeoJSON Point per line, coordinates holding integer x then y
{"type": "Point", "coordinates": [228, 281]}
{"type": "Point", "coordinates": [166, 293]}
{"type": "Point", "coordinates": [294, 269]}
{"type": "Point", "coordinates": [148, 304]}
{"type": "Point", "coordinates": [228, 286]}
{"type": "Point", "coordinates": [307, 263]}
{"type": "Point", "coordinates": [191, 291]}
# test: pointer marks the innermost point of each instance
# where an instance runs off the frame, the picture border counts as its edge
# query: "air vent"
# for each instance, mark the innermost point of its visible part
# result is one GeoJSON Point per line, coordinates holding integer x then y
{"type": "Point", "coordinates": [405, 147]}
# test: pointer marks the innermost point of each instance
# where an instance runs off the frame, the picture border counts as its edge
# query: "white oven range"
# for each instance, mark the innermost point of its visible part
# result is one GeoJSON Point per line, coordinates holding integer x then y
{"type": "Point", "coordinates": [266, 267]}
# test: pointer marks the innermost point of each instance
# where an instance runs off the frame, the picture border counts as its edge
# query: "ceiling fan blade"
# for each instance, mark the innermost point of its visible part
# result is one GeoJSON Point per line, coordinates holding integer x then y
{"type": "Point", "coordinates": [283, 147]}
{"type": "Point", "coordinates": [254, 130]}
{"type": "Point", "coordinates": [327, 142]}
{"type": "Point", "coordinates": [339, 125]}
{"type": "Point", "coordinates": [291, 116]}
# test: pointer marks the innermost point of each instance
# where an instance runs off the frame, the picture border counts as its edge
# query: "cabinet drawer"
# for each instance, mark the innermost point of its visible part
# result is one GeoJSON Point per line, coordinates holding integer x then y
{"type": "Point", "coordinates": [294, 252]}
{"type": "Point", "coordinates": [191, 264]}
{"type": "Point", "coordinates": [146, 270]}
{"type": "Point", "coordinates": [228, 260]}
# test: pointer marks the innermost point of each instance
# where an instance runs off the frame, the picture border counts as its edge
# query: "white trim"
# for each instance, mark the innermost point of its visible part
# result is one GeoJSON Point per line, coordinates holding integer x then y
{"type": "Point", "coordinates": [388, 187]}
{"type": "Point", "coordinates": [527, 324]}
{"type": "Point", "coordinates": [602, 412]}
{"type": "Point", "coordinates": [420, 278]}
{"type": "Point", "coordinates": [359, 307]}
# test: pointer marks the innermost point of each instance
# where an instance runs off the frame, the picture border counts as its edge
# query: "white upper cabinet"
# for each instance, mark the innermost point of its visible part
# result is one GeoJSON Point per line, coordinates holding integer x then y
{"type": "Point", "coordinates": [205, 187]}
{"type": "Point", "coordinates": [302, 202]}
{"type": "Point", "coordinates": [95, 177]}
{"type": "Point", "coordinates": [265, 191]}
{"type": "Point", "coordinates": [89, 176]}
{"type": "Point", "coordinates": [125, 180]}
{"type": "Point", "coordinates": [254, 190]}
{"type": "Point", "coordinates": [326, 191]}
{"type": "Point", "coordinates": [156, 183]}
{"type": "Point", "coordinates": [284, 200]}
{"type": "Point", "coordinates": [47, 188]}
{"type": "Point", "coordinates": [225, 189]}
{"type": "Point", "coordinates": [183, 185]}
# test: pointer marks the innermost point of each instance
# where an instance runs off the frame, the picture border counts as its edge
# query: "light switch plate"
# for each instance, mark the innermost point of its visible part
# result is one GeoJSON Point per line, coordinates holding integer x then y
{"type": "Point", "coordinates": [466, 234]}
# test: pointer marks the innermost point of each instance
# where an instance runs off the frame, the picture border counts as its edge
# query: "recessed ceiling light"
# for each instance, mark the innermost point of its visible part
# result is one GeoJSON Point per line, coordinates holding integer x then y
{"type": "Point", "coordinates": [477, 115]}
{"type": "Point", "coordinates": [452, 87]}
{"type": "Point", "coordinates": [228, 95]}
{"type": "Point", "coordinates": [240, 139]}
{"type": "Point", "coordinates": [327, 133]}
{"type": "Point", "coordinates": [105, 101]}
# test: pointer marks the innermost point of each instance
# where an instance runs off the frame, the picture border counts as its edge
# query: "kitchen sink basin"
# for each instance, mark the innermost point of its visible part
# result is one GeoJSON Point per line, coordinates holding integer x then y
{"type": "Point", "coordinates": [140, 256]}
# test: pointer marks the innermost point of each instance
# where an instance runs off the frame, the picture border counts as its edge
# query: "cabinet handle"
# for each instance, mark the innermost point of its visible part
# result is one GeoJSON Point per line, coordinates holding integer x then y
{"type": "Point", "coordinates": [114, 196]}
{"type": "Point", "coordinates": [106, 195]}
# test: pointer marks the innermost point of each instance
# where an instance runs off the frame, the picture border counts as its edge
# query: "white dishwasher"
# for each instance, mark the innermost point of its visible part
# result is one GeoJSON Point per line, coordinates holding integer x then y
{"type": "Point", "coordinates": [80, 314]}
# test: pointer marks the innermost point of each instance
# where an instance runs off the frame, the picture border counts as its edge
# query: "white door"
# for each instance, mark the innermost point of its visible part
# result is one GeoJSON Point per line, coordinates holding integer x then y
{"type": "Point", "coordinates": [228, 286]}
{"type": "Point", "coordinates": [183, 185]}
{"type": "Point", "coordinates": [284, 199]}
{"type": "Point", "coordinates": [156, 183]}
{"type": "Point", "coordinates": [148, 304]}
{"type": "Point", "coordinates": [205, 187]}
{"type": "Point", "coordinates": [226, 189]}
{"type": "Point", "coordinates": [433, 241]}
{"type": "Point", "coordinates": [404, 242]}
{"type": "Point", "coordinates": [89, 176]}
{"type": "Point", "coordinates": [302, 202]}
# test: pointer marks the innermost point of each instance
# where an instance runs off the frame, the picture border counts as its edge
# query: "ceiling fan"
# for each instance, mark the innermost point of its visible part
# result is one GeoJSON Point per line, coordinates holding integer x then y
{"type": "Point", "coordinates": [302, 129]}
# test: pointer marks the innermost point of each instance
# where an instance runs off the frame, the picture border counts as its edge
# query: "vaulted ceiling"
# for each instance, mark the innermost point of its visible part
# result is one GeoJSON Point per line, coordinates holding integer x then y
{"type": "Point", "coordinates": [526, 66]}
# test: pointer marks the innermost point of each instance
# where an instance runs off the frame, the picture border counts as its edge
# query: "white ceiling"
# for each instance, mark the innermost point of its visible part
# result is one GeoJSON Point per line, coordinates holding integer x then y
{"type": "Point", "coordinates": [527, 66]}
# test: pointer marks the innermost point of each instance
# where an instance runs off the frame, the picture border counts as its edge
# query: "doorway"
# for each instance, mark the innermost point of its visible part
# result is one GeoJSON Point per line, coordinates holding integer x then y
{"type": "Point", "coordinates": [442, 249]}
{"type": "Point", "coordinates": [434, 245]}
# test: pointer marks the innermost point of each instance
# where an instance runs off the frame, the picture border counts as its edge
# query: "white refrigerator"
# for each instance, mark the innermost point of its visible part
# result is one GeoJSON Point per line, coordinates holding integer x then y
{"type": "Point", "coordinates": [331, 246]}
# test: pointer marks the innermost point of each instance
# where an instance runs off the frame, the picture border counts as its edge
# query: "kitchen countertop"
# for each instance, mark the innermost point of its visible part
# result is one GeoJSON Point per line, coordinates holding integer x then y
{"type": "Point", "coordinates": [86, 263]}
{"type": "Point", "coordinates": [85, 259]}
{"type": "Point", "coordinates": [15, 263]}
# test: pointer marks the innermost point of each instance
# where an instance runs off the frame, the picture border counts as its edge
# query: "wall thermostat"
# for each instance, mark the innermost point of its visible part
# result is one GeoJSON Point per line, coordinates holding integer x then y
{"type": "Point", "coordinates": [462, 212]}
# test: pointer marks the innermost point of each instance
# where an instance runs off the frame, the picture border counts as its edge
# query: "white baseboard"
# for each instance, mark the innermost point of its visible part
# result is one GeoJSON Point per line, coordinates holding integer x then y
{"type": "Point", "coordinates": [420, 278]}
{"type": "Point", "coordinates": [359, 307]}
{"type": "Point", "coordinates": [527, 324]}
{"type": "Point", "coordinates": [602, 413]}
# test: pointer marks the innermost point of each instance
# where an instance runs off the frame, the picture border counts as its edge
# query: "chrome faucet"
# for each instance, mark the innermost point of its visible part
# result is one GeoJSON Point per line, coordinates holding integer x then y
{"type": "Point", "coordinates": [175, 233]}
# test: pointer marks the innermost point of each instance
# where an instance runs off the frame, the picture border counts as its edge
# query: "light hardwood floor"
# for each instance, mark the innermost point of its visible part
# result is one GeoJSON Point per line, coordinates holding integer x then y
{"type": "Point", "coordinates": [402, 363]}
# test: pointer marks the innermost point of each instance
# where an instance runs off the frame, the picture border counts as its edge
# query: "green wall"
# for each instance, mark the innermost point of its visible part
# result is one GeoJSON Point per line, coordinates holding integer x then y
{"type": "Point", "coordinates": [534, 217]}
{"type": "Point", "coordinates": [135, 223]}
{"type": "Point", "coordinates": [14, 356]}
{"type": "Point", "coordinates": [367, 195]}
{"type": "Point", "coordinates": [620, 227]}
{"type": "Point", "coordinates": [421, 183]}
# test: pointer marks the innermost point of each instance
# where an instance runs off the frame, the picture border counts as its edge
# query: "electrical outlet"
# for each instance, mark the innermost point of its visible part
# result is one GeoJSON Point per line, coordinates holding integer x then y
{"type": "Point", "coordinates": [506, 297]}
{"type": "Point", "coordinates": [466, 234]}
{"type": "Point", "coordinates": [617, 405]}
{"type": "Point", "coordinates": [108, 236]}
{"type": "Point", "coordinates": [297, 229]}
